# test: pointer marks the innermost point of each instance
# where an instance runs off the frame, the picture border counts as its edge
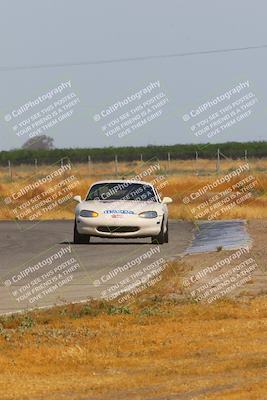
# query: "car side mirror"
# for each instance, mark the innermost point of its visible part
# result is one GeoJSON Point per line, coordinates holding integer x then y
{"type": "Point", "coordinates": [166, 200]}
{"type": "Point", "coordinates": [78, 199]}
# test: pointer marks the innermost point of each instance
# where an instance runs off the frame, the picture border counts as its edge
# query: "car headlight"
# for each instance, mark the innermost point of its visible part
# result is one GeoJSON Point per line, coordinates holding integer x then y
{"type": "Point", "coordinates": [148, 214]}
{"type": "Point", "coordinates": [88, 214]}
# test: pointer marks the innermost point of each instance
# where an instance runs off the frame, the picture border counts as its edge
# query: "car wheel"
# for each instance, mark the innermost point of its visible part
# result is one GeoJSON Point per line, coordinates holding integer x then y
{"type": "Point", "coordinates": [160, 238]}
{"type": "Point", "coordinates": [166, 234]}
{"type": "Point", "coordinates": [79, 238]}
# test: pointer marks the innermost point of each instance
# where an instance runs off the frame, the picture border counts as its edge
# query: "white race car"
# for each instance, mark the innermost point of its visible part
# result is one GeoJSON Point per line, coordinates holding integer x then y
{"type": "Point", "coordinates": [121, 209]}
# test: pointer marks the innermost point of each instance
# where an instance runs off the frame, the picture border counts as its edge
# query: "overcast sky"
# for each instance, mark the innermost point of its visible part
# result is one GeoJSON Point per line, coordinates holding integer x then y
{"type": "Point", "coordinates": [43, 43]}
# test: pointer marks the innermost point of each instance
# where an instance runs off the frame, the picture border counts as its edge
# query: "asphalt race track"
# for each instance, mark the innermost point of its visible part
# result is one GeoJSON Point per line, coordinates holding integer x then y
{"type": "Point", "coordinates": [40, 266]}
{"type": "Point", "coordinates": [28, 254]}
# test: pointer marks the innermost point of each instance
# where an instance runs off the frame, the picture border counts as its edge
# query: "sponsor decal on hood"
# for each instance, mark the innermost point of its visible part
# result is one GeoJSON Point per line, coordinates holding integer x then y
{"type": "Point", "coordinates": [118, 212]}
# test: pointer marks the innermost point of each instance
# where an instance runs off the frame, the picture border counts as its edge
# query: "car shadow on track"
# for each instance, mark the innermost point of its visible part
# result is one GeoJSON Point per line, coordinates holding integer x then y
{"type": "Point", "coordinates": [107, 244]}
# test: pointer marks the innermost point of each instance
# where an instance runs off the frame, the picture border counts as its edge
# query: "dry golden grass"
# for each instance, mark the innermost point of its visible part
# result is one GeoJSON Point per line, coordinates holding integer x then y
{"type": "Point", "coordinates": [147, 351]}
{"type": "Point", "coordinates": [181, 177]}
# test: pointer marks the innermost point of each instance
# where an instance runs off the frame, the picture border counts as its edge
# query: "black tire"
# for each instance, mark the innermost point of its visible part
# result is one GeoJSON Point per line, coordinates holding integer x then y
{"type": "Point", "coordinates": [79, 238]}
{"type": "Point", "coordinates": [166, 234]}
{"type": "Point", "coordinates": [160, 238]}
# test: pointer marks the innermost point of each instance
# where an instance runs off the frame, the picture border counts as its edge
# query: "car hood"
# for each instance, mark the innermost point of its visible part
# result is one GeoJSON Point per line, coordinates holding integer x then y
{"type": "Point", "coordinates": [120, 205]}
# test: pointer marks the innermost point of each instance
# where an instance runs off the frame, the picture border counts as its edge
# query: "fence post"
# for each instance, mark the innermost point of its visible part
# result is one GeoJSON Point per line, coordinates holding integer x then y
{"type": "Point", "coordinates": [141, 157]}
{"type": "Point", "coordinates": [246, 155]}
{"type": "Point", "coordinates": [196, 163]}
{"type": "Point", "coordinates": [10, 170]}
{"type": "Point", "coordinates": [169, 162]}
{"type": "Point", "coordinates": [36, 164]}
{"type": "Point", "coordinates": [89, 163]}
{"type": "Point", "coordinates": [116, 165]}
{"type": "Point", "coordinates": [218, 162]}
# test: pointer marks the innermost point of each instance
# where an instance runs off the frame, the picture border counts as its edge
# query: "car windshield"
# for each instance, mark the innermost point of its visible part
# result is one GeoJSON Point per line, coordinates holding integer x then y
{"type": "Point", "coordinates": [121, 191]}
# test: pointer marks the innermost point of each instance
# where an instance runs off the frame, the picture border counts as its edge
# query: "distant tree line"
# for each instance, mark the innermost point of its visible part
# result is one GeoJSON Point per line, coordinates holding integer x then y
{"type": "Point", "coordinates": [233, 150]}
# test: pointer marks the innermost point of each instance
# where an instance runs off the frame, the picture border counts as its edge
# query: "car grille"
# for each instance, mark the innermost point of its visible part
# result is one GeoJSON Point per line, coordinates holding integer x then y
{"type": "Point", "coordinates": [118, 229]}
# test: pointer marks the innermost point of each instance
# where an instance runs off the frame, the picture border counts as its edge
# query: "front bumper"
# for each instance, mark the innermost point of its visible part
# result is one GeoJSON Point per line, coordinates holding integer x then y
{"type": "Point", "coordinates": [125, 227]}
